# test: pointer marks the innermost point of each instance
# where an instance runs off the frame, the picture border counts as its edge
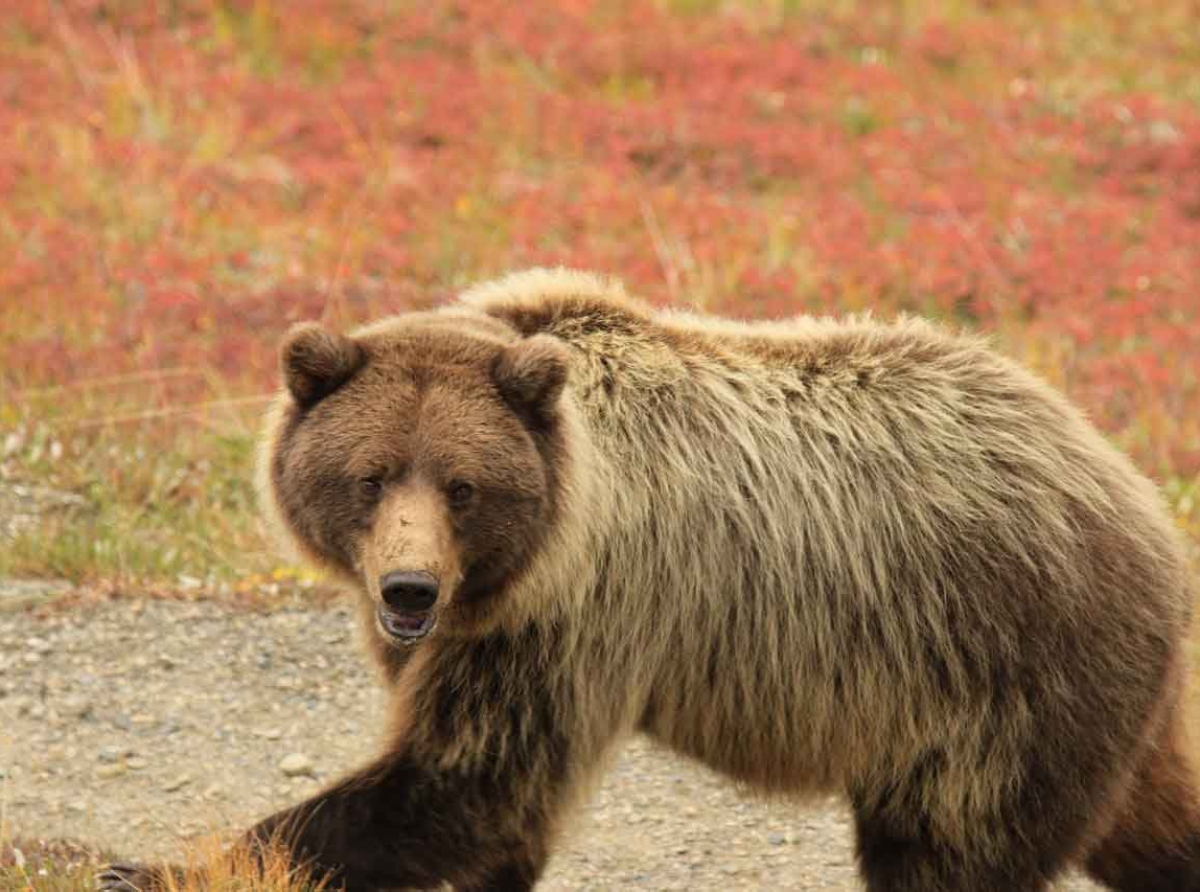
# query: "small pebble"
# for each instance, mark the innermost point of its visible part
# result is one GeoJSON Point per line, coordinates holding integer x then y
{"type": "Point", "coordinates": [74, 707]}
{"type": "Point", "coordinates": [177, 784]}
{"type": "Point", "coordinates": [296, 765]}
{"type": "Point", "coordinates": [110, 754]}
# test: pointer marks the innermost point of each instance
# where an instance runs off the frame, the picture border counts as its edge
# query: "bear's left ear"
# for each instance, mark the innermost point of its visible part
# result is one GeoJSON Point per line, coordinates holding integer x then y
{"type": "Point", "coordinates": [530, 375]}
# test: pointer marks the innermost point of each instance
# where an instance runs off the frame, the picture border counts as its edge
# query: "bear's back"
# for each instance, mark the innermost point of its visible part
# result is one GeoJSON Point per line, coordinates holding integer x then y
{"type": "Point", "coordinates": [892, 517]}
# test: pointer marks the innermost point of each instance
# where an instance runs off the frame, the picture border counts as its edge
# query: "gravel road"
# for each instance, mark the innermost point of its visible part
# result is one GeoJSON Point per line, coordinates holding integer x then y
{"type": "Point", "coordinates": [135, 725]}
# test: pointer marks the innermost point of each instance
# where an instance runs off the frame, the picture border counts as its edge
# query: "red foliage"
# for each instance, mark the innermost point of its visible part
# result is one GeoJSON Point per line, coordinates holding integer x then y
{"type": "Point", "coordinates": [180, 181]}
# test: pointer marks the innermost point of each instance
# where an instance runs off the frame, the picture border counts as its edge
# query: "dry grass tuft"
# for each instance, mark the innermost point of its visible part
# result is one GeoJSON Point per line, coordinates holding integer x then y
{"type": "Point", "coordinates": [209, 866]}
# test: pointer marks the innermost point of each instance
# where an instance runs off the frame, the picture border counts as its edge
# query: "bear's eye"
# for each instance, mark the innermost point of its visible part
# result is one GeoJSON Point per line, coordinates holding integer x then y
{"type": "Point", "coordinates": [460, 494]}
{"type": "Point", "coordinates": [370, 487]}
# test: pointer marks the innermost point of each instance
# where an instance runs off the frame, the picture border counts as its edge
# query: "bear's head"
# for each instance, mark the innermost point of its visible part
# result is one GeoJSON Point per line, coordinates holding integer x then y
{"type": "Point", "coordinates": [418, 458]}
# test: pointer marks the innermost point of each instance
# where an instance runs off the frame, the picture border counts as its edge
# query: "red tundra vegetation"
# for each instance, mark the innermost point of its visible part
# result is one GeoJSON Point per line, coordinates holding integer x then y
{"type": "Point", "coordinates": [181, 179]}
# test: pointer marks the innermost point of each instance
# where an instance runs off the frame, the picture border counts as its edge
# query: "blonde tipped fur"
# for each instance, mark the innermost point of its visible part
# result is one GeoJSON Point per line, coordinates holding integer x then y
{"type": "Point", "coordinates": [747, 527]}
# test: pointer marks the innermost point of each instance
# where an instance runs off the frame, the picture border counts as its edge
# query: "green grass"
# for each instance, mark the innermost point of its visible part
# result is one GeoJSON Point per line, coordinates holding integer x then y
{"type": "Point", "coordinates": [169, 504]}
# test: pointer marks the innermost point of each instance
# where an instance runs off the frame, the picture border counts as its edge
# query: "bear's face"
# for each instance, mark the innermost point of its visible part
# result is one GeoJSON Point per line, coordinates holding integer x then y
{"type": "Point", "coordinates": [420, 459]}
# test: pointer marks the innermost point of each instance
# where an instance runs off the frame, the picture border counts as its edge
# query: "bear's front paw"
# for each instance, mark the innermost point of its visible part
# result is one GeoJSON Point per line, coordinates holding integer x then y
{"type": "Point", "coordinates": [123, 877]}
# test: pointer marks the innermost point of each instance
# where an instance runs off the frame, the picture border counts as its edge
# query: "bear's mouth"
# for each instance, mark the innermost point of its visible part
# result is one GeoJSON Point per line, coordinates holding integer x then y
{"type": "Point", "coordinates": [406, 628]}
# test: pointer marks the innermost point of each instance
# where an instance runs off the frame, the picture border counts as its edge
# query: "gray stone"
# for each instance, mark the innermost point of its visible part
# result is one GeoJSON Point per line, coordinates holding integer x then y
{"type": "Point", "coordinates": [296, 765]}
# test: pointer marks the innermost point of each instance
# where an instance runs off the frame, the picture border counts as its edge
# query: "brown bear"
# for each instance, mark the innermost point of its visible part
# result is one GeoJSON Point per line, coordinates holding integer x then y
{"type": "Point", "coordinates": [816, 555]}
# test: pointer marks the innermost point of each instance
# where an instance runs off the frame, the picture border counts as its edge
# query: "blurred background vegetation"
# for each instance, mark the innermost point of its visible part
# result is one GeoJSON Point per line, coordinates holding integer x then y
{"type": "Point", "coordinates": [182, 179]}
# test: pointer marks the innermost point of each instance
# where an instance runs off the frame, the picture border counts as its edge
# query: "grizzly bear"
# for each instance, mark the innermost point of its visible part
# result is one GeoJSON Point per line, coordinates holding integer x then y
{"type": "Point", "coordinates": [816, 555]}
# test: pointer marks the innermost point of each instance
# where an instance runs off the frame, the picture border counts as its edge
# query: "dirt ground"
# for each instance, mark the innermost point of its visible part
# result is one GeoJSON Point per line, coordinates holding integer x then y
{"type": "Point", "coordinates": [135, 725]}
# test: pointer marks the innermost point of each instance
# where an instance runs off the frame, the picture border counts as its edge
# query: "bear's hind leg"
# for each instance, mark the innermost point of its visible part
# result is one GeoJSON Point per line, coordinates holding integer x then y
{"type": "Point", "coordinates": [1154, 846]}
{"type": "Point", "coordinates": [1021, 844]}
{"type": "Point", "coordinates": [911, 859]}
{"type": "Point", "coordinates": [519, 875]}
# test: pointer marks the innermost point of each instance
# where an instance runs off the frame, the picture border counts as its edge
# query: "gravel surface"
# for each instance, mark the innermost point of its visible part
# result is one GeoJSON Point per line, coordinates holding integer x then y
{"type": "Point", "coordinates": [136, 725]}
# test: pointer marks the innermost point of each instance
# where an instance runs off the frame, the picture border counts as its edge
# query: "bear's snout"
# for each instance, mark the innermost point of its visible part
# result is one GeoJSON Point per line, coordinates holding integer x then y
{"type": "Point", "coordinates": [408, 591]}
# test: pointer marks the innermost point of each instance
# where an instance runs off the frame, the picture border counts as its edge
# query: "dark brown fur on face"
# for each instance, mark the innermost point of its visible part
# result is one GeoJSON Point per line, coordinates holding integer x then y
{"type": "Point", "coordinates": [433, 429]}
{"type": "Point", "coordinates": [819, 556]}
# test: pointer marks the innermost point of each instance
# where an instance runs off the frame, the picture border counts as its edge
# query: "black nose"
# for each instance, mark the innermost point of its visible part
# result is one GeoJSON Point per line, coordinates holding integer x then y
{"type": "Point", "coordinates": [407, 591]}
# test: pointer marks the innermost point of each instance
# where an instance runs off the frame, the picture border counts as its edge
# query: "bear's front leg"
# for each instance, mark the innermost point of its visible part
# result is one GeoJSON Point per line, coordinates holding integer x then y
{"type": "Point", "coordinates": [399, 824]}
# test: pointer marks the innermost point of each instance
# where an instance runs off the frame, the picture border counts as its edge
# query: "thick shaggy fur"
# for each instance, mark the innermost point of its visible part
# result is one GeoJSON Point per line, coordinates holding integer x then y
{"type": "Point", "coordinates": [816, 555]}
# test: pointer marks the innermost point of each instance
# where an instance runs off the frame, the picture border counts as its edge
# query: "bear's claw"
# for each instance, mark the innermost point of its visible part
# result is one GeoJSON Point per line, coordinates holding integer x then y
{"type": "Point", "coordinates": [124, 877]}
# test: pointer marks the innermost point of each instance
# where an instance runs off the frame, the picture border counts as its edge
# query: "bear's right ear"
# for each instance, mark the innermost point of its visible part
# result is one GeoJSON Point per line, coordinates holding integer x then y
{"type": "Point", "coordinates": [530, 375]}
{"type": "Point", "coordinates": [316, 362]}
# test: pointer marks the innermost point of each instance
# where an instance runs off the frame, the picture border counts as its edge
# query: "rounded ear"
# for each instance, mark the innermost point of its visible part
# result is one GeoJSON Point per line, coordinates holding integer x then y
{"type": "Point", "coordinates": [316, 362]}
{"type": "Point", "coordinates": [530, 375]}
